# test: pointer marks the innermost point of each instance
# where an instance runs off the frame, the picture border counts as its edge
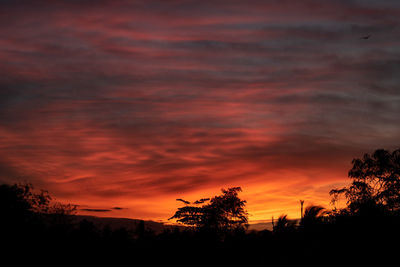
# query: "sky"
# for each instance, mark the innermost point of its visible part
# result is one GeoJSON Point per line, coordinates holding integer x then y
{"type": "Point", "coordinates": [121, 107]}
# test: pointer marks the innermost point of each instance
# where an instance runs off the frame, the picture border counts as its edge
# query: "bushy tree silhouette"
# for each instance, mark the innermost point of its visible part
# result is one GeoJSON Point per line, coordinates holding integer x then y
{"type": "Point", "coordinates": [22, 198]}
{"type": "Point", "coordinates": [376, 182]}
{"type": "Point", "coordinates": [223, 213]}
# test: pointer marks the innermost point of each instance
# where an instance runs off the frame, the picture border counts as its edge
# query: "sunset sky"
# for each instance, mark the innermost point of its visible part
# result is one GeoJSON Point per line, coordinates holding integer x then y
{"type": "Point", "coordinates": [121, 107]}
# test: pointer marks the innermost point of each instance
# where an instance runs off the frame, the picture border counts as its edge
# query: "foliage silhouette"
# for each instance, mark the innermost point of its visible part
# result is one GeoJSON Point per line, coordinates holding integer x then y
{"type": "Point", "coordinates": [21, 198]}
{"type": "Point", "coordinates": [225, 212]}
{"type": "Point", "coordinates": [375, 185]}
{"type": "Point", "coordinates": [283, 225]}
{"type": "Point", "coordinates": [313, 215]}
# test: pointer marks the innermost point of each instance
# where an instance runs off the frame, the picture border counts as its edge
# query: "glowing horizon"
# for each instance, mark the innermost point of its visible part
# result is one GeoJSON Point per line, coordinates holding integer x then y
{"type": "Point", "coordinates": [124, 106]}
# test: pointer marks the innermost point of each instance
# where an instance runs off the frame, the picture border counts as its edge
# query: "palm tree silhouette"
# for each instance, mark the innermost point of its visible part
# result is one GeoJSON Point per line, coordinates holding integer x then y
{"type": "Point", "coordinates": [284, 225]}
{"type": "Point", "coordinates": [313, 215]}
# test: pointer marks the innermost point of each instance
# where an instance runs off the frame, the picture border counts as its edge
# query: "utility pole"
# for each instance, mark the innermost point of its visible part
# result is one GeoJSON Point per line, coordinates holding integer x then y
{"type": "Point", "coordinates": [301, 208]}
{"type": "Point", "coordinates": [273, 223]}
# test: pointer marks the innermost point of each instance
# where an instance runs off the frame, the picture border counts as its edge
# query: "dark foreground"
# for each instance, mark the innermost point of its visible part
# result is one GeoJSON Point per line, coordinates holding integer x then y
{"type": "Point", "coordinates": [344, 240]}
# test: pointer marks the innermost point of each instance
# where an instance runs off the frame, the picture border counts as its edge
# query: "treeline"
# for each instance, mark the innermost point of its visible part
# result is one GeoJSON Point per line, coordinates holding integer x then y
{"type": "Point", "coordinates": [364, 233]}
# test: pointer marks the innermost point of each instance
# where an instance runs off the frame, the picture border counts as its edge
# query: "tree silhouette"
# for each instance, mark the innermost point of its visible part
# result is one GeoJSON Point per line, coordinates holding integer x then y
{"type": "Point", "coordinates": [313, 216]}
{"type": "Point", "coordinates": [20, 200]}
{"type": "Point", "coordinates": [376, 182]}
{"type": "Point", "coordinates": [20, 203]}
{"type": "Point", "coordinates": [223, 212]}
{"type": "Point", "coordinates": [283, 225]}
